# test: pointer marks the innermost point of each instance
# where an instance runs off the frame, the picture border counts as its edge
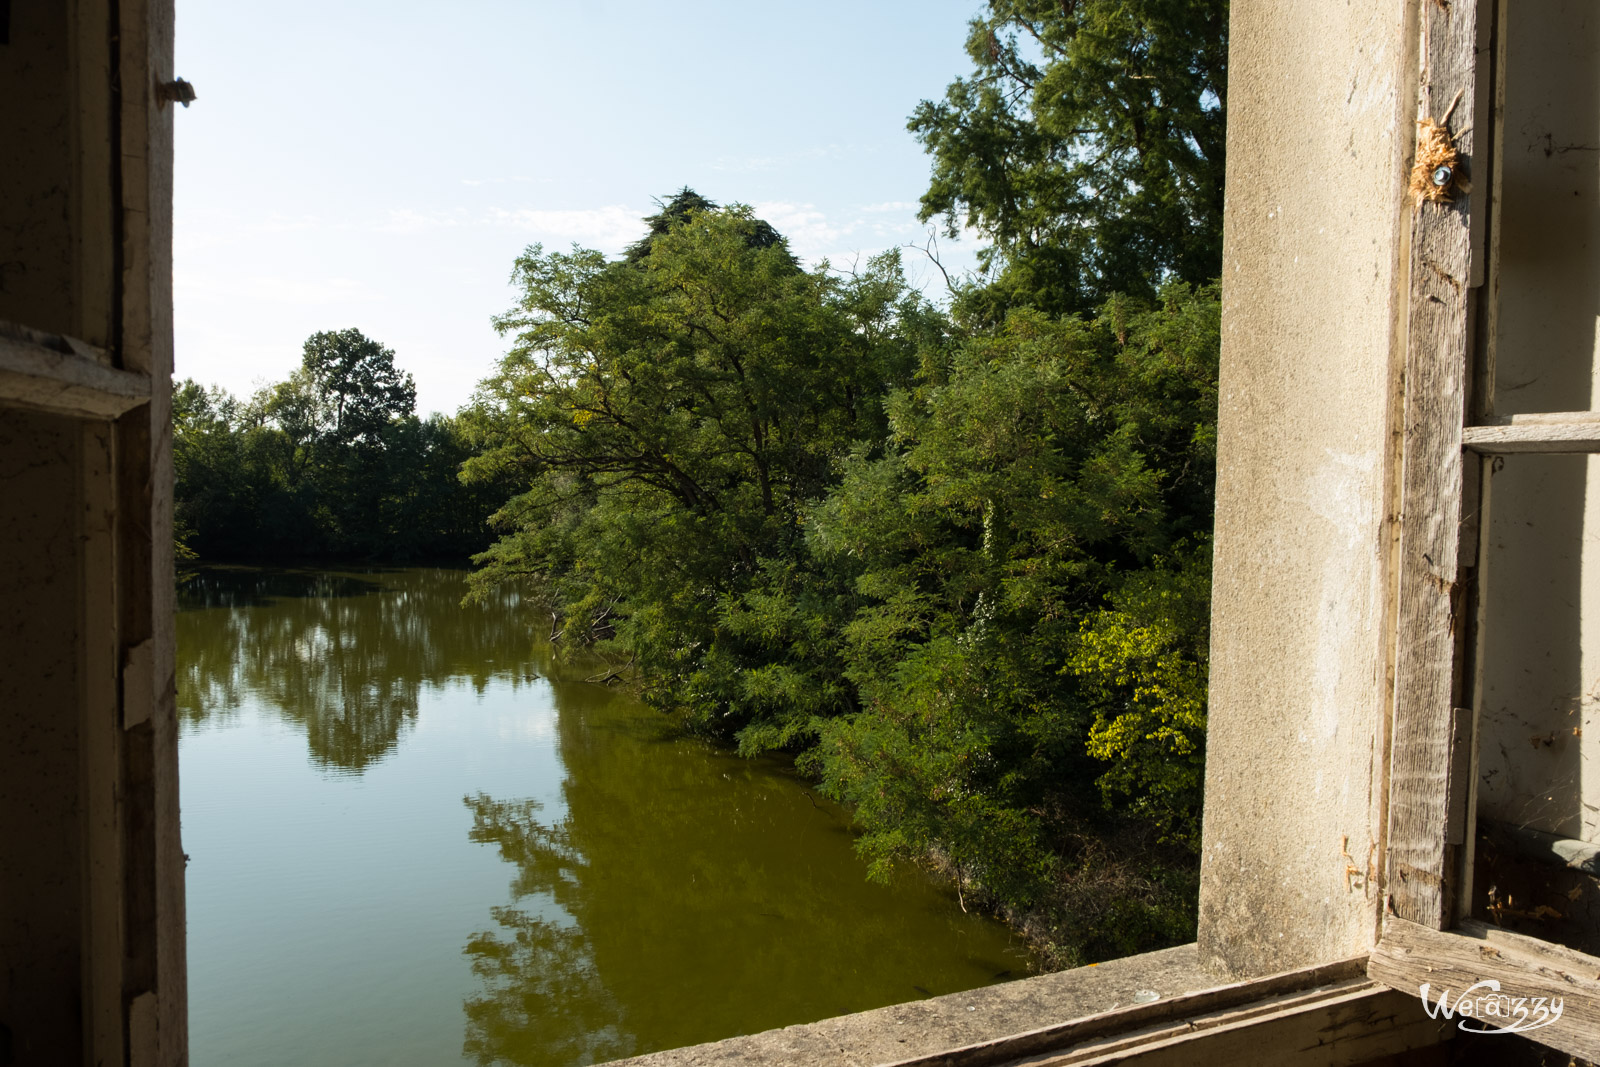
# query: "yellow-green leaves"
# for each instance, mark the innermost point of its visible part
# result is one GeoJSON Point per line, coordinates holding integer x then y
{"type": "Point", "coordinates": [1142, 663]}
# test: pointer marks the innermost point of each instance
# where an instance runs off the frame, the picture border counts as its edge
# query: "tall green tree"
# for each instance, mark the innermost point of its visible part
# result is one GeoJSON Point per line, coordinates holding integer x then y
{"type": "Point", "coordinates": [673, 415]}
{"type": "Point", "coordinates": [1032, 553]}
{"type": "Point", "coordinates": [357, 390]}
{"type": "Point", "coordinates": [330, 462]}
{"type": "Point", "coordinates": [342, 409]}
{"type": "Point", "coordinates": [677, 210]}
{"type": "Point", "coordinates": [1087, 146]}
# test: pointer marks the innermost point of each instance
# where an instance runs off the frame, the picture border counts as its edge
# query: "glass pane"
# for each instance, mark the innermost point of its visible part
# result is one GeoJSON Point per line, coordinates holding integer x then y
{"type": "Point", "coordinates": [1548, 272]}
{"type": "Point", "coordinates": [1538, 774]}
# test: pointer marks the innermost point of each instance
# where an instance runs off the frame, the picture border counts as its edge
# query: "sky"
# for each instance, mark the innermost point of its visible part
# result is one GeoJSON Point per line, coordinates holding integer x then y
{"type": "Point", "coordinates": [381, 165]}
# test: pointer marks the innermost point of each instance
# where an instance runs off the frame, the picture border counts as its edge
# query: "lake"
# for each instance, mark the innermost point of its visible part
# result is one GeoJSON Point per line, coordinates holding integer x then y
{"type": "Point", "coordinates": [417, 837]}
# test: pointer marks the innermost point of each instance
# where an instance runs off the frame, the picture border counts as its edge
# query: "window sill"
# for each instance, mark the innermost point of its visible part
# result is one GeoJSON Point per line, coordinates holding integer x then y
{"type": "Point", "coordinates": [64, 376]}
{"type": "Point", "coordinates": [1328, 1015]}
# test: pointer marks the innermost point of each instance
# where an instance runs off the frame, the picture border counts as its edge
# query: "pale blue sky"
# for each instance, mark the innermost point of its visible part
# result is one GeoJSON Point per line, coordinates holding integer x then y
{"type": "Point", "coordinates": [381, 164]}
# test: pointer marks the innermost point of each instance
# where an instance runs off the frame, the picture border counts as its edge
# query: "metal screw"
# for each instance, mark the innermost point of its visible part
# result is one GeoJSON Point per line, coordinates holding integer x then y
{"type": "Point", "coordinates": [1442, 175]}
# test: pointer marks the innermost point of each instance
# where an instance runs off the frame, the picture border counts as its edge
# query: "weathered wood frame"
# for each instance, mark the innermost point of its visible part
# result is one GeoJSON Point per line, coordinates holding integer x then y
{"type": "Point", "coordinates": [64, 376]}
{"type": "Point", "coordinates": [1447, 439]}
{"type": "Point", "coordinates": [1427, 685]}
{"type": "Point", "coordinates": [1330, 1016]}
{"type": "Point", "coordinates": [1524, 968]}
{"type": "Point", "coordinates": [115, 387]}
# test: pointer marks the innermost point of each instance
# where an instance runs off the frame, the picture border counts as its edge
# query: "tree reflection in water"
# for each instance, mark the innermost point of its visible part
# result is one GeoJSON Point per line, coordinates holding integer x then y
{"type": "Point", "coordinates": [343, 656]}
{"type": "Point", "coordinates": [682, 894]}
{"type": "Point", "coordinates": [674, 894]}
{"type": "Point", "coordinates": [543, 1001]}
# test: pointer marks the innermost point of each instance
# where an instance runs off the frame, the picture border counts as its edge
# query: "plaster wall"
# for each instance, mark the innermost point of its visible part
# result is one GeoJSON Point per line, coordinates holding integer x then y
{"type": "Point", "coordinates": [1539, 756]}
{"type": "Point", "coordinates": [1318, 144]}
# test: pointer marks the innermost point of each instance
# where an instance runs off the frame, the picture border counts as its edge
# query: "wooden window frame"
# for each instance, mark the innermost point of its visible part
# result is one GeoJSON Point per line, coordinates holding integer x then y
{"type": "Point", "coordinates": [1443, 494]}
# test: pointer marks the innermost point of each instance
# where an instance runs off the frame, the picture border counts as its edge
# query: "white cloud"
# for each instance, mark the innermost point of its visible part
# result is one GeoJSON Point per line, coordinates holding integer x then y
{"type": "Point", "coordinates": [608, 228]}
{"type": "Point", "coordinates": [811, 233]}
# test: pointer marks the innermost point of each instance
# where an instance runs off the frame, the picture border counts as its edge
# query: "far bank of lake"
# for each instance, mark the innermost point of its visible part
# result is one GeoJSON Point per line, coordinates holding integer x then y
{"type": "Point", "coordinates": [415, 838]}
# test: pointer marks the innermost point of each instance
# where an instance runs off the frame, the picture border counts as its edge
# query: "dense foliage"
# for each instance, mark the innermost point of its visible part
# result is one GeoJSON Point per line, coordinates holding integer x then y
{"type": "Point", "coordinates": [1087, 146]}
{"type": "Point", "coordinates": [672, 416]}
{"type": "Point", "coordinates": [1030, 546]}
{"type": "Point", "coordinates": [332, 462]}
{"type": "Point", "coordinates": [960, 572]}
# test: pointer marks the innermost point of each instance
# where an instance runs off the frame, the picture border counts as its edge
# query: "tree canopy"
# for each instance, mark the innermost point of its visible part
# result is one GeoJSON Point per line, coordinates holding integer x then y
{"type": "Point", "coordinates": [355, 386]}
{"type": "Point", "coordinates": [331, 462]}
{"type": "Point", "coordinates": [672, 415]}
{"type": "Point", "coordinates": [1029, 550]}
{"type": "Point", "coordinates": [1087, 146]}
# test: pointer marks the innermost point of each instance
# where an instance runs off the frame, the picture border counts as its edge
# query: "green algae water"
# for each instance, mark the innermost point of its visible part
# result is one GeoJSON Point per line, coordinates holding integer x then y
{"type": "Point", "coordinates": [414, 838]}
